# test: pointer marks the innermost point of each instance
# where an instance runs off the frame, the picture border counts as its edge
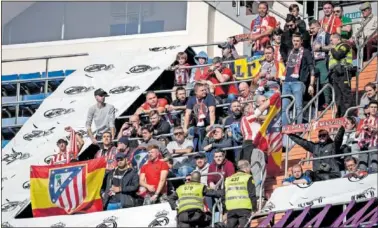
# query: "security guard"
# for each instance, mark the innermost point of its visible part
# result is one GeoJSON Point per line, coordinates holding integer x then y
{"type": "Point", "coordinates": [240, 196]}
{"type": "Point", "coordinates": [190, 202]}
{"type": "Point", "coordinates": [340, 66]}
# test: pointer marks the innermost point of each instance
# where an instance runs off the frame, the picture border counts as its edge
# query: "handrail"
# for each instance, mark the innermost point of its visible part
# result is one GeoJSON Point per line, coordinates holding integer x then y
{"type": "Point", "coordinates": [44, 57]}
{"type": "Point", "coordinates": [5, 104]}
{"type": "Point", "coordinates": [316, 119]}
{"type": "Point", "coordinates": [262, 182]}
{"type": "Point", "coordinates": [352, 108]}
{"type": "Point", "coordinates": [336, 156]}
{"type": "Point", "coordinates": [32, 80]}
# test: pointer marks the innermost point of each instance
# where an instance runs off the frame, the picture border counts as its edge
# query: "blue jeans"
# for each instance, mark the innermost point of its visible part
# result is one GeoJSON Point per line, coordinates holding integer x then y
{"type": "Point", "coordinates": [185, 170]}
{"type": "Point", "coordinates": [297, 89]}
{"type": "Point", "coordinates": [113, 206]}
{"type": "Point", "coordinates": [198, 134]}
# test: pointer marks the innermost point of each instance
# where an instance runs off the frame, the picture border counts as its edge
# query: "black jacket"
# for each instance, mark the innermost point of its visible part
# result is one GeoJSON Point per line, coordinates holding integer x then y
{"type": "Point", "coordinates": [287, 43]}
{"type": "Point", "coordinates": [163, 127]}
{"type": "Point", "coordinates": [330, 147]}
{"type": "Point", "coordinates": [129, 188]}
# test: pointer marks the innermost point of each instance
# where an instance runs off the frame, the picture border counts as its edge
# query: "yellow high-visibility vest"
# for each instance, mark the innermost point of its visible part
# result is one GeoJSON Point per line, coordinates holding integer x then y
{"type": "Point", "coordinates": [237, 196]}
{"type": "Point", "coordinates": [348, 60]}
{"type": "Point", "coordinates": [190, 196]}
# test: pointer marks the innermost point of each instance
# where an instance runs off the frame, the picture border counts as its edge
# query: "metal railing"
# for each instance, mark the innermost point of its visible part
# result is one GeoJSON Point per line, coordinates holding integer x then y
{"type": "Point", "coordinates": [309, 104]}
{"type": "Point", "coordinates": [44, 79]}
{"type": "Point", "coordinates": [337, 156]}
{"type": "Point", "coordinates": [261, 183]}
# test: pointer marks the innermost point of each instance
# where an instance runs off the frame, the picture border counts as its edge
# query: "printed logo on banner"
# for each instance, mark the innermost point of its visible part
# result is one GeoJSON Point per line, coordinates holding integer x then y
{"type": "Point", "coordinates": [366, 194]}
{"type": "Point", "coordinates": [268, 207]}
{"type": "Point", "coordinates": [38, 134]}
{"type": "Point", "coordinates": [12, 205]}
{"type": "Point", "coordinates": [108, 222]}
{"type": "Point", "coordinates": [59, 224]}
{"type": "Point", "coordinates": [6, 224]}
{"type": "Point", "coordinates": [73, 90]}
{"type": "Point", "coordinates": [98, 67]}
{"type": "Point", "coordinates": [57, 112]}
{"type": "Point", "coordinates": [123, 89]}
{"type": "Point", "coordinates": [160, 220]}
{"type": "Point", "coordinates": [311, 202]}
{"type": "Point", "coordinates": [9, 158]}
{"type": "Point", "coordinates": [141, 69]}
{"type": "Point", "coordinates": [66, 185]}
{"type": "Point", "coordinates": [26, 185]}
{"type": "Point", "coordinates": [157, 49]}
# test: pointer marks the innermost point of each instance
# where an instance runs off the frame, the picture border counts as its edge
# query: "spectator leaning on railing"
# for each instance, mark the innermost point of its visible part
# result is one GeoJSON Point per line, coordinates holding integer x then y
{"type": "Point", "coordinates": [351, 168]}
{"type": "Point", "coordinates": [298, 177]}
{"type": "Point", "coordinates": [103, 115]}
{"type": "Point", "coordinates": [152, 103]}
{"type": "Point", "coordinates": [327, 168]}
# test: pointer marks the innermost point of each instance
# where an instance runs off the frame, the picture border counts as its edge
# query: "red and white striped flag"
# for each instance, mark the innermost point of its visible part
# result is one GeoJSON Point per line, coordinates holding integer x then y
{"type": "Point", "coordinates": [74, 150]}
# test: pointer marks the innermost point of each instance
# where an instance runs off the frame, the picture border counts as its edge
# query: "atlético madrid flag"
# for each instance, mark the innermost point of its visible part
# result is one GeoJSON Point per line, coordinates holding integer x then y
{"type": "Point", "coordinates": [67, 188]}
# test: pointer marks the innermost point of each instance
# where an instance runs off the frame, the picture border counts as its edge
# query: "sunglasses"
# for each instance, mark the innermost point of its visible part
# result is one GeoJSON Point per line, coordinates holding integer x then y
{"type": "Point", "coordinates": [337, 11]}
{"type": "Point", "coordinates": [291, 26]}
{"type": "Point", "coordinates": [178, 133]}
{"type": "Point", "coordinates": [323, 135]}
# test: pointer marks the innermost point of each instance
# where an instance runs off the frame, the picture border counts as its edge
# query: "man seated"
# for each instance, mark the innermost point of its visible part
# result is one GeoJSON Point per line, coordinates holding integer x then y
{"type": "Point", "coordinates": [202, 166]}
{"type": "Point", "coordinates": [178, 106]}
{"type": "Point", "coordinates": [215, 140]}
{"type": "Point", "coordinates": [153, 177]}
{"type": "Point", "coordinates": [132, 129]}
{"type": "Point", "coordinates": [298, 177]}
{"type": "Point", "coordinates": [121, 185]}
{"type": "Point", "coordinates": [351, 169]}
{"type": "Point", "coordinates": [108, 151]}
{"type": "Point", "coordinates": [245, 93]}
{"type": "Point", "coordinates": [147, 141]}
{"type": "Point", "coordinates": [182, 165]}
{"type": "Point", "coordinates": [159, 126]}
{"type": "Point", "coordinates": [152, 103]}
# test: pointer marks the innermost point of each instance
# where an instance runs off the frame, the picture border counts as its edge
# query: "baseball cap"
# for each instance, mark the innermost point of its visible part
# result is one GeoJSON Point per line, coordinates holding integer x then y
{"type": "Point", "coordinates": [120, 155]}
{"type": "Point", "coordinates": [62, 141]}
{"type": "Point", "coordinates": [199, 155]}
{"type": "Point", "coordinates": [225, 45]}
{"type": "Point", "coordinates": [365, 5]}
{"type": "Point", "coordinates": [217, 126]}
{"type": "Point", "coordinates": [100, 92]}
{"type": "Point", "coordinates": [124, 140]}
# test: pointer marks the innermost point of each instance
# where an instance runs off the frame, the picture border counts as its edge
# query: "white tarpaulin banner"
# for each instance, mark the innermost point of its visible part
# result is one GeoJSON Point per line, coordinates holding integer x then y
{"type": "Point", "coordinates": [124, 75]}
{"type": "Point", "coordinates": [322, 193]}
{"type": "Point", "coordinates": [158, 215]}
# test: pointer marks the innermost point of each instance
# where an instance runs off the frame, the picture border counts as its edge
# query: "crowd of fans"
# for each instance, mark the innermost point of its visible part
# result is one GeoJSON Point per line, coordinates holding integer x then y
{"type": "Point", "coordinates": [157, 142]}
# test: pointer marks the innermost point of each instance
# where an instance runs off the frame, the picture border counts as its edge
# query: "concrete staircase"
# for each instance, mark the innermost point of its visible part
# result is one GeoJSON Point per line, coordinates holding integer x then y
{"type": "Point", "coordinates": [369, 74]}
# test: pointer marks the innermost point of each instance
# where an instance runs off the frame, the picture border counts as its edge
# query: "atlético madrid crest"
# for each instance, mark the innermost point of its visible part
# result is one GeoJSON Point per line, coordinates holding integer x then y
{"type": "Point", "coordinates": [67, 187]}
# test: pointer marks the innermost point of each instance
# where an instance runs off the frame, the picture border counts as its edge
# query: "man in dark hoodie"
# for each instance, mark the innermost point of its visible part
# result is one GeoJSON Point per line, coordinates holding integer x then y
{"type": "Point", "coordinates": [121, 186]}
{"type": "Point", "coordinates": [328, 168]}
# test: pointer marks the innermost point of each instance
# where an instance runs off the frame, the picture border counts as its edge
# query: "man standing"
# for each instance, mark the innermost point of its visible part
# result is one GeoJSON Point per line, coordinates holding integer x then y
{"type": "Point", "coordinates": [240, 196]}
{"type": "Point", "coordinates": [190, 202]}
{"type": "Point", "coordinates": [340, 65]}
{"type": "Point", "coordinates": [320, 43]}
{"type": "Point", "coordinates": [294, 10]}
{"type": "Point", "coordinates": [346, 30]}
{"type": "Point", "coordinates": [121, 185]}
{"type": "Point", "coordinates": [109, 151]}
{"type": "Point", "coordinates": [153, 177]}
{"type": "Point", "coordinates": [261, 29]}
{"type": "Point", "coordinates": [203, 107]}
{"type": "Point", "coordinates": [298, 67]}
{"type": "Point", "coordinates": [330, 22]}
{"type": "Point", "coordinates": [103, 115]}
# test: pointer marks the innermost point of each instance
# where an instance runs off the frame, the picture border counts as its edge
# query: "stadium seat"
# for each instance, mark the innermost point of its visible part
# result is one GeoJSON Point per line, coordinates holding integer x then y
{"type": "Point", "coordinates": [21, 120]}
{"type": "Point", "coordinates": [68, 72]}
{"type": "Point", "coordinates": [8, 99]}
{"type": "Point", "coordinates": [31, 85]}
{"type": "Point", "coordinates": [4, 143]}
{"type": "Point", "coordinates": [52, 74]}
{"type": "Point", "coordinates": [11, 77]}
{"type": "Point", "coordinates": [6, 122]}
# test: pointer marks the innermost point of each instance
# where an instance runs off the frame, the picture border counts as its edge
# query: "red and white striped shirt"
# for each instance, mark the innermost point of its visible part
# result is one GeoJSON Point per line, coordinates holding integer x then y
{"type": "Point", "coordinates": [249, 127]}
{"type": "Point", "coordinates": [109, 154]}
{"type": "Point", "coordinates": [366, 136]}
{"type": "Point", "coordinates": [61, 157]}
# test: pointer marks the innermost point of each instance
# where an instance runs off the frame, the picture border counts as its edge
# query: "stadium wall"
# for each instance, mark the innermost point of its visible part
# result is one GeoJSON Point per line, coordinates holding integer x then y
{"type": "Point", "coordinates": [204, 25]}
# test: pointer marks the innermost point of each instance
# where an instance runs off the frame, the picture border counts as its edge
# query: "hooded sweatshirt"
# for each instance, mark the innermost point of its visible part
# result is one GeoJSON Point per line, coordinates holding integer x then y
{"type": "Point", "coordinates": [203, 70]}
{"type": "Point", "coordinates": [226, 168]}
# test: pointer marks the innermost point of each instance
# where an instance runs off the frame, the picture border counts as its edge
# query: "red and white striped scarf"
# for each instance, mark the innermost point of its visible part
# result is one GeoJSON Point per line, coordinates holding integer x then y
{"type": "Point", "coordinates": [330, 22]}
{"type": "Point", "coordinates": [367, 138]}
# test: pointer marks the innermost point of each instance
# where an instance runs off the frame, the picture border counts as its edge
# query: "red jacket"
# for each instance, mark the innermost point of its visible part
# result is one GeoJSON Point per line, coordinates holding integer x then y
{"type": "Point", "coordinates": [227, 169]}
